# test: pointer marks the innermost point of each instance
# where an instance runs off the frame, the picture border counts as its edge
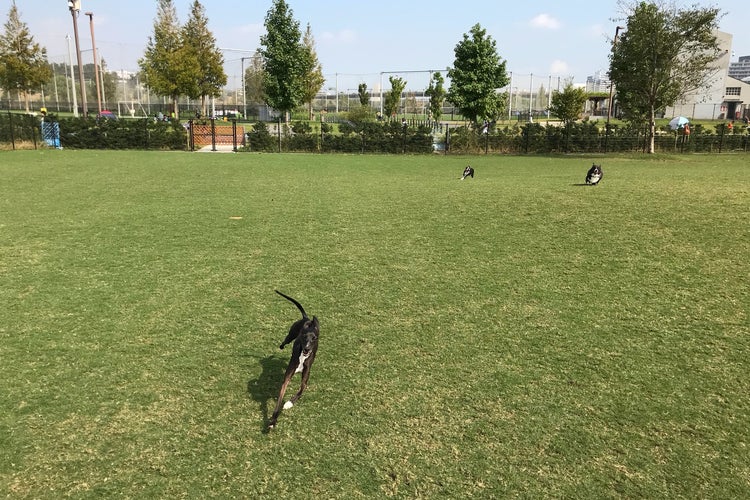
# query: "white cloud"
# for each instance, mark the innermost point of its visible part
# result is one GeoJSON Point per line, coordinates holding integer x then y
{"type": "Point", "coordinates": [545, 21]}
{"type": "Point", "coordinates": [343, 36]}
{"type": "Point", "coordinates": [559, 67]}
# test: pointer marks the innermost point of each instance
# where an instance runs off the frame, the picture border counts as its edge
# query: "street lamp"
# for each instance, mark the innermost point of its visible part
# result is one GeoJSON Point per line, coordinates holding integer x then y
{"type": "Point", "coordinates": [244, 88]}
{"type": "Point", "coordinates": [75, 8]}
{"type": "Point", "coordinates": [96, 63]}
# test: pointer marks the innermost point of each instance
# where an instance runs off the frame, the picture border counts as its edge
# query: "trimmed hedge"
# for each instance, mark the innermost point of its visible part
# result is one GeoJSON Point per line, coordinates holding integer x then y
{"type": "Point", "coordinates": [145, 133]}
{"type": "Point", "coordinates": [365, 137]}
{"type": "Point", "coordinates": [587, 137]}
{"type": "Point", "coordinates": [18, 127]}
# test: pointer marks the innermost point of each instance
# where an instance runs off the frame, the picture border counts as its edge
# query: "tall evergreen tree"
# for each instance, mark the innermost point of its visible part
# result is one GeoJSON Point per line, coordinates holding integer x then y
{"type": "Point", "coordinates": [285, 60]}
{"type": "Point", "coordinates": [170, 68]}
{"type": "Point", "coordinates": [313, 77]}
{"type": "Point", "coordinates": [23, 63]}
{"type": "Point", "coordinates": [664, 54]}
{"type": "Point", "coordinates": [476, 77]}
{"type": "Point", "coordinates": [200, 44]}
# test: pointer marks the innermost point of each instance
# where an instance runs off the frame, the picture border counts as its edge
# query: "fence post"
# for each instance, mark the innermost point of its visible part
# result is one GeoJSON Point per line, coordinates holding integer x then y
{"type": "Point", "coordinates": [191, 135]}
{"type": "Point", "coordinates": [12, 135]}
{"type": "Point", "coordinates": [606, 137]}
{"type": "Point", "coordinates": [234, 135]}
{"type": "Point", "coordinates": [213, 134]}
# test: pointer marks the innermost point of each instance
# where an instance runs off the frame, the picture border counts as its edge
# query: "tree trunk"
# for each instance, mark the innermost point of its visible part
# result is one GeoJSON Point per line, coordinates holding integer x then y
{"type": "Point", "coordinates": [175, 109]}
{"type": "Point", "coordinates": [651, 130]}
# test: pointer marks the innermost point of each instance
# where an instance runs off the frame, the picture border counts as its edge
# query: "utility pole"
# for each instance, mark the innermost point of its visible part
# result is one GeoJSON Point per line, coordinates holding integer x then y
{"type": "Point", "coordinates": [96, 63]}
{"type": "Point", "coordinates": [611, 83]}
{"type": "Point", "coordinates": [75, 8]}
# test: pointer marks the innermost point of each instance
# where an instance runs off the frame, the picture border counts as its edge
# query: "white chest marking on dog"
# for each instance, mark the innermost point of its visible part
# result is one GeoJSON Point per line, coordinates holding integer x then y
{"type": "Point", "coordinates": [301, 365]}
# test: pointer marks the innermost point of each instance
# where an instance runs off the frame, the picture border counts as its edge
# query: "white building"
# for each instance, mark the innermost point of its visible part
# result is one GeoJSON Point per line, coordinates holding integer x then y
{"type": "Point", "coordinates": [726, 98]}
{"type": "Point", "coordinates": [740, 69]}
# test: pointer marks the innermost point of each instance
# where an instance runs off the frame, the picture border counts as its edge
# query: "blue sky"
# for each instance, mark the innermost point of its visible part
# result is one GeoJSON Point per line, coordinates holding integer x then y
{"type": "Point", "coordinates": [357, 41]}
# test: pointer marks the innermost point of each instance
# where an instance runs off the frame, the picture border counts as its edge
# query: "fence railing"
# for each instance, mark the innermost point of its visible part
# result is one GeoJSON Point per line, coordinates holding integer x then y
{"type": "Point", "coordinates": [413, 136]}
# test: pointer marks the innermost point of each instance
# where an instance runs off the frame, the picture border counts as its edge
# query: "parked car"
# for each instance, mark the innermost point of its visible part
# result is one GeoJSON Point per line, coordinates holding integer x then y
{"type": "Point", "coordinates": [107, 115]}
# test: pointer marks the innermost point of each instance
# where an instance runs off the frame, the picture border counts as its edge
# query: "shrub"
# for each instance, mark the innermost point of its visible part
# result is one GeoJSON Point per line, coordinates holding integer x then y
{"type": "Point", "coordinates": [260, 139]}
{"type": "Point", "coordinates": [89, 133]}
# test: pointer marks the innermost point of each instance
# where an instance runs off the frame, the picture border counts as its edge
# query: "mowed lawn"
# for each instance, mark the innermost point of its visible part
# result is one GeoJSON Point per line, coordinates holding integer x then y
{"type": "Point", "coordinates": [517, 334]}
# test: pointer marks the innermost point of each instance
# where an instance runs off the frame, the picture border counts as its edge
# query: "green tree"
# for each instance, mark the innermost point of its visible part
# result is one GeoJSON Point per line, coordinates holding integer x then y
{"type": "Point", "coordinates": [169, 67]}
{"type": "Point", "coordinates": [393, 97]}
{"type": "Point", "coordinates": [286, 60]}
{"type": "Point", "coordinates": [664, 54]}
{"type": "Point", "coordinates": [313, 76]}
{"type": "Point", "coordinates": [254, 81]}
{"type": "Point", "coordinates": [200, 45]}
{"type": "Point", "coordinates": [436, 93]}
{"type": "Point", "coordinates": [23, 63]}
{"type": "Point", "coordinates": [476, 77]}
{"type": "Point", "coordinates": [568, 103]}
{"type": "Point", "coordinates": [364, 97]}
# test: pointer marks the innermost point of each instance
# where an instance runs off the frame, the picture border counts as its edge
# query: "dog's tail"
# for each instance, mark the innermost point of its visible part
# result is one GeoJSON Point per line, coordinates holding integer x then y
{"type": "Point", "coordinates": [299, 306]}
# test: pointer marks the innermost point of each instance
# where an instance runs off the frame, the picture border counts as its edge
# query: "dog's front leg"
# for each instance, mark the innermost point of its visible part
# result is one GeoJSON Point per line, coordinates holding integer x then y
{"type": "Point", "coordinates": [280, 401]}
{"type": "Point", "coordinates": [303, 385]}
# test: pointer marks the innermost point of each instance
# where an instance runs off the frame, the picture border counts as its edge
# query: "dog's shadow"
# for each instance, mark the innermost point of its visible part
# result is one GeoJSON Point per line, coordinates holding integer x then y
{"type": "Point", "coordinates": [267, 386]}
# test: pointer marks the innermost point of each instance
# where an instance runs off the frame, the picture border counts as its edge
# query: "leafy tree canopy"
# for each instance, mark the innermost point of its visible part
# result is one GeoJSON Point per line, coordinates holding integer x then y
{"type": "Point", "coordinates": [664, 54]}
{"type": "Point", "coordinates": [476, 77]}
{"type": "Point", "coordinates": [286, 61]}
{"type": "Point", "coordinates": [169, 66]}
{"type": "Point", "coordinates": [313, 75]}
{"type": "Point", "coordinates": [254, 79]}
{"type": "Point", "coordinates": [364, 97]}
{"type": "Point", "coordinates": [568, 103]}
{"type": "Point", "coordinates": [23, 63]}
{"type": "Point", "coordinates": [393, 97]}
{"type": "Point", "coordinates": [436, 93]}
{"type": "Point", "coordinates": [200, 46]}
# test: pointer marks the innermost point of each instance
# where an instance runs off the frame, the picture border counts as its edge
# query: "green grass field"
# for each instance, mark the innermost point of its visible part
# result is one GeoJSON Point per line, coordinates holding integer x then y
{"type": "Point", "coordinates": [513, 335]}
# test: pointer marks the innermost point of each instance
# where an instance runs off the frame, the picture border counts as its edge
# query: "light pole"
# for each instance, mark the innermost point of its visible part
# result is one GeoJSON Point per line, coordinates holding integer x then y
{"type": "Point", "coordinates": [611, 84]}
{"type": "Point", "coordinates": [244, 88]}
{"type": "Point", "coordinates": [72, 79]}
{"type": "Point", "coordinates": [75, 8]}
{"type": "Point", "coordinates": [96, 63]}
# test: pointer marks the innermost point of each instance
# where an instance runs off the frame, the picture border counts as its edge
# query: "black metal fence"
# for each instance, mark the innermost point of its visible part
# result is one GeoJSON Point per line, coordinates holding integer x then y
{"type": "Point", "coordinates": [17, 130]}
{"type": "Point", "coordinates": [412, 136]}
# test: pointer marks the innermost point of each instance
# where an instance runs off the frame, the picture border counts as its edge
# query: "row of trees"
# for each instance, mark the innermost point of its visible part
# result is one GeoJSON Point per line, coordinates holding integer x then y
{"type": "Point", "coordinates": [663, 54]}
{"type": "Point", "coordinates": [183, 60]}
